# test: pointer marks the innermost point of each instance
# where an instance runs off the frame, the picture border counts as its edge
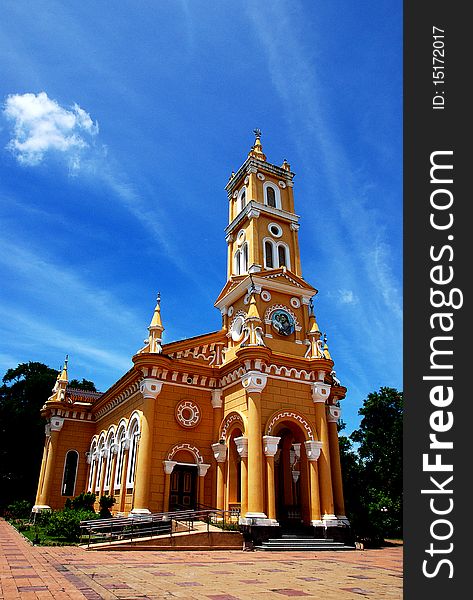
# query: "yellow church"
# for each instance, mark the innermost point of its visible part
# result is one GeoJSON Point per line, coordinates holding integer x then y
{"type": "Point", "coordinates": [242, 419]}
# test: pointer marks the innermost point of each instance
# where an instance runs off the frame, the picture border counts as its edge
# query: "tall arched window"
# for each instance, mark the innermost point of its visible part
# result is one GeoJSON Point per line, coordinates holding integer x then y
{"type": "Point", "coordinates": [241, 199]}
{"type": "Point", "coordinates": [268, 254]}
{"type": "Point", "coordinates": [70, 473]}
{"type": "Point", "coordinates": [282, 257]}
{"type": "Point", "coordinates": [108, 471]}
{"type": "Point", "coordinates": [244, 251]}
{"type": "Point", "coordinates": [100, 462]}
{"type": "Point", "coordinates": [121, 438]}
{"type": "Point", "coordinates": [270, 197]}
{"type": "Point", "coordinates": [93, 464]}
{"type": "Point", "coordinates": [240, 260]}
{"type": "Point", "coordinates": [134, 435]}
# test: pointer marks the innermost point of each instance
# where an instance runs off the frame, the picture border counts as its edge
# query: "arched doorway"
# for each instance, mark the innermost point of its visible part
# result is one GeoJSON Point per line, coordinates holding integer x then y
{"type": "Point", "coordinates": [291, 477]}
{"type": "Point", "coordinates": [233, 483]}
{"type": "Point", "coordinates": [183, 492]}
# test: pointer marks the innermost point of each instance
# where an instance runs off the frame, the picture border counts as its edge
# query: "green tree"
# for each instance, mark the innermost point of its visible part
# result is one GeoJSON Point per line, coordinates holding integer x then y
{"type": "Point", "coordinates": [84, 385]}
{"type": "Point", "coordinates": [24, 391]}
{"type": "Point", "coordinates": [379, 465]}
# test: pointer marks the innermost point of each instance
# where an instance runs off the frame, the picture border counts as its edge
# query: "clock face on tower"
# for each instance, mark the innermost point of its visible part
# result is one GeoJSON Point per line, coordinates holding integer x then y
{"type": "Point", "coordinates": [282, 322]}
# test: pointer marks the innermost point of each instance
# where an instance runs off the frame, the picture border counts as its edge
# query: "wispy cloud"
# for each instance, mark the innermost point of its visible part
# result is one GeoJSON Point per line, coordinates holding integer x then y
{"type": "Point", "coordinates": [347, 297]}
{"type": "Point", "coordinates": [41, 126]}
{"type": "Point", "coordinates": [297, 79]}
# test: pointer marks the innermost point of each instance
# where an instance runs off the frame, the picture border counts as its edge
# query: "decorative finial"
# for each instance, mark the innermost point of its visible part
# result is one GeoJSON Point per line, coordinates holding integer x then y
{"type": "Point", "coordinates": [311, 307]}
{"type": "Point", "coordinates": [257, 133]}
{"type": "Point", "coordinates": [158, 299]}
{"type": "Point", "coordinates": [253, 286]}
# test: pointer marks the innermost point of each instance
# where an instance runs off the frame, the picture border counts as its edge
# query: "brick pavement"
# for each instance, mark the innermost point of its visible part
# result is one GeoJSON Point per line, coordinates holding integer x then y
{"type": "Point", "coordinates": [69, 572]}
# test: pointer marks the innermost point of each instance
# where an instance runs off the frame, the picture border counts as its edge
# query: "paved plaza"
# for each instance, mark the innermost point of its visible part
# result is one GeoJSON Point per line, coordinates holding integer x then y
{"type": "Point", "coordinates": [70, 572]}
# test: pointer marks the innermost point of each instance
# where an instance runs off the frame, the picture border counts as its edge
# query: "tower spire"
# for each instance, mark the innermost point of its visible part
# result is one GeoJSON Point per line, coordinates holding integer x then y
{"type": "Point", "coordinates": [156, 328]}
{"type": "Point", "coordinates": [257, 149]}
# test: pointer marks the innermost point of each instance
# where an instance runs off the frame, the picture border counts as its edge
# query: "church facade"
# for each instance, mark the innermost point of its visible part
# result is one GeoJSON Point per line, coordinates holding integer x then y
{"type": "Point", "coordinates": [244, 418]}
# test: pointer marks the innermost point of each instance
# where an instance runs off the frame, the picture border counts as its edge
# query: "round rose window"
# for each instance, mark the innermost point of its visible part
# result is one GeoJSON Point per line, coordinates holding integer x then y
{"type": "Point", "coordinates": [187, 413]}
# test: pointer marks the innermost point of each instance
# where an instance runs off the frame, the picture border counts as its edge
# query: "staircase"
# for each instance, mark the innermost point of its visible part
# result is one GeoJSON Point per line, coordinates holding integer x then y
{"type": "Point", "coordinates": [294, 542]}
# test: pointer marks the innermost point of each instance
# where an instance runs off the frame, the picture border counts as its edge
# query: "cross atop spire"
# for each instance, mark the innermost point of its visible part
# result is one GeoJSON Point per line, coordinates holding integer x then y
{"type": "Point", "coordinates": [257, 150]}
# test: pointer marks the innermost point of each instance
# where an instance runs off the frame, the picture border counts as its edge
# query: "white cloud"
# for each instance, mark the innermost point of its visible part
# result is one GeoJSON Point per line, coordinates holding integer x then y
{"type": "Point", "coordinates": [41, 125]}
{"type": "Point", "coordinates": [347, 297]}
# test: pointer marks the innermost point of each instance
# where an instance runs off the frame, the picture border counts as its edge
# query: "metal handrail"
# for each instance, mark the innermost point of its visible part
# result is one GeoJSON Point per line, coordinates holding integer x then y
{"type": "Point", "coordinates": [138, 526]}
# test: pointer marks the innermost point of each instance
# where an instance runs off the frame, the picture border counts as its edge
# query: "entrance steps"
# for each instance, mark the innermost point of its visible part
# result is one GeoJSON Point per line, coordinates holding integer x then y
{"type": "Point", "coordinates": [294, 542]}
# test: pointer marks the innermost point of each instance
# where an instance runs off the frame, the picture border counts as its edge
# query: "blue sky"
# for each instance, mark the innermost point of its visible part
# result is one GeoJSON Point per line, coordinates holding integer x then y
{"type": "Point", "coordinates": [120, 124]}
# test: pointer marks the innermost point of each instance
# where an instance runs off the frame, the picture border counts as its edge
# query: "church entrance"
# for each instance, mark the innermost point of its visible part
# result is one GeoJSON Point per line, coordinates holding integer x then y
{"type": "Point", "coordinates": [291, 479]}
{"type": "Point", "coordinates": [183, 487]}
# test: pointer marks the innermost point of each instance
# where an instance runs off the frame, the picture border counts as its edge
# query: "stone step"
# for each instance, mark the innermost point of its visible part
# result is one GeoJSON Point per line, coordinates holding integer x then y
{"type": "Point", "coordinates": [302, 543]}
{"type": "Point", "coordinates": [304, 548]}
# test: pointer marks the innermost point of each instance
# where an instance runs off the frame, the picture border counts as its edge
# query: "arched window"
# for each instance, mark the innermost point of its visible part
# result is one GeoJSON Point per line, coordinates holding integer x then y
{"type": "Point", "coordinates": [70, 473]}
{"type": "Point", "coordinates": [241, 199]}
{"type": "Point", "coordinates": [134, 435]}
{"type": "Point", "coordinates": [100, 463]}
{"type": "Point", "coordinates": [270, 197]}
{"type": "Point", "coordinates": [93, 464]}
{"type": "Point", "coordinates": [240, 260]}
{"type": "Point", "coordinates": [244, 258]}
{"type": "Point", "coordinates": [237, 262]}
{"type": "Point", "coordinates": [282, 258]}
{"type": "Point", "coordinates": [121, 438]}
{"type": "Point", "coordinates": [283, 255]}
{"type": "Point", "coordinates": [108, 471]}
{"type": "Point", "coordinates": [268, 254]}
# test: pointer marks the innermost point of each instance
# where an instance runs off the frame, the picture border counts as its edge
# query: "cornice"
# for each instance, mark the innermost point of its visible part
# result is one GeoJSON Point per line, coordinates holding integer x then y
{"type": "Point", "coordinates": [259, 165]}
{"type": "Point", "coordinates": [254, 207]}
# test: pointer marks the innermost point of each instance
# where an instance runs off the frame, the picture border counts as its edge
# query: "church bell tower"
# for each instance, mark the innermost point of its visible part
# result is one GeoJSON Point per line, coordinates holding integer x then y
{"type": "Point", "coordinates": [264, 276]}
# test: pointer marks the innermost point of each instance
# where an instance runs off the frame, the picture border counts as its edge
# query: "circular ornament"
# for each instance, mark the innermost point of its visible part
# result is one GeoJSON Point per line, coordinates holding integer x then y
{"type": "Point", "coordinates": [235, 193]}
{"type": "Point", "coordinates": [260, 176]}
{"type": "Point", "coordinates": [246, 299]}
{"type": "Point", "coordinates": [265, 295]}
{"type": "Point", "coordinates": [241, 237]}
{"type": "Point", "coordinates": [188, 413]}
{"type": "Point", "coordinates": [230, 311]}
{"type": "Point", "coordinates": [275, 230]}
{"type": "Point", "coordinates": [282, 184]}
{"type": "Point", "coordinates": [247, 179]}
{"type": "Point", "coordinates": [236, 329]}
{"type": "Point", "coordinates": [282, 322]}
{"type": "Point", "coordinates": [295, 302]}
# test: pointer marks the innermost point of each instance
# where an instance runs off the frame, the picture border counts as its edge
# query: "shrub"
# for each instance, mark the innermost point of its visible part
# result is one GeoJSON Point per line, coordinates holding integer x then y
{"type": "Point", "coordinates": [84, 501]}
{"type": "Point", "coordinates": [20, 509]}
{"type": "Point", "coordinates": [66, 523]}
{"type": "Point", "coordinates": [106, 503]}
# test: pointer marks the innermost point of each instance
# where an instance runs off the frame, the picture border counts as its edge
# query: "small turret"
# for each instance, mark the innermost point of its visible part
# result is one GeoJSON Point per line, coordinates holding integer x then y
{"type": "Point", "coordinates": [156, 329]}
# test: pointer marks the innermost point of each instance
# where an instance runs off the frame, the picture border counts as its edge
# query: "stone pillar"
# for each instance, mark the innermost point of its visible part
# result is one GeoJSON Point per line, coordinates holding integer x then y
{"type": "Point", "coordinates": [312, 449]}
{"type": "Point", "coordinates": [217, 416]}
{"type": "Point", "coordinates": [203, 468]}
{"type": "Point", "coordinates": [37, 505]}
{"type": "Point", "coordinates": [339, 504]}
{"type": "Point", "coordinates": [320, 393]}
{"type": "Point", "coordinates": [242, 449]}
{"type": "Point", "coordinates": [220, 453]}
{"type": "Point", "coordinates": [150, 388]}
{"type": "Point", "coordinates": [168, 469]}
{"type": "Point", "coordinates": [55, 425]}
{"type": "Point", "coordinates": [270, 444]}
{"type": "Point", "coordinates": [254, 382]}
